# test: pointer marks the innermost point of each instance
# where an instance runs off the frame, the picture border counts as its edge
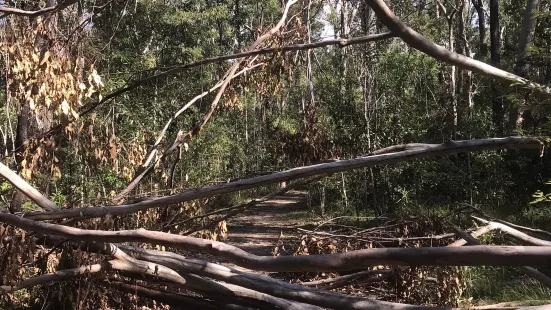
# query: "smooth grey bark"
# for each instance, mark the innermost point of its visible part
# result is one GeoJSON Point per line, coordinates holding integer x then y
{"type": "Point", "coordinates": [521, 64]}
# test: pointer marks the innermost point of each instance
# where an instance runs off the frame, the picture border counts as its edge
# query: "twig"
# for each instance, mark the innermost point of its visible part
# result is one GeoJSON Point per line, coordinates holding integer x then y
{"type": "Point", "coordinates": [346, 278]}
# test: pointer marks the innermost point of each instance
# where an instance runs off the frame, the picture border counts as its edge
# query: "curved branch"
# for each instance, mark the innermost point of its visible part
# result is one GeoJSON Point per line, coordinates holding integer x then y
{"type": "Point", "coordinates": [421, 43]}
{"type": "Point", "coordinates": [346, 278]}
{"type": "Point", "coordinates": [183, 109]}
{"type": "Point", "coordinates": [513, 232]}
{"type": "Point", "coordinates": [448, 148]}
{"type": "Point", "coordinates": [130, 265]}
{"type": "Point", "coordinates": [218, 289]}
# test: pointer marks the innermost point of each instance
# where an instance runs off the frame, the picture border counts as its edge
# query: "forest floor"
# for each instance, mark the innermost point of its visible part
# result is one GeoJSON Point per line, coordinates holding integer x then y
{"type": "Point", "coordinates": [259, 228]}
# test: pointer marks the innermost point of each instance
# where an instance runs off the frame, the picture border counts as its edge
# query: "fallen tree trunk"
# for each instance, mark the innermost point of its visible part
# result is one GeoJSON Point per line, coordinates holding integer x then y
{"type": "Point", "coordinates": [442, 256]}
{"type": "Point", "coordinates": [293, 174]}
{"type": "Point", "coordinates": [165, 297]}
{"type": "Point", "coordinates": [513, 232]}
{"type": "Point", "coordinates": [212, 288]}
{"type": "Point", "coordinates": [261, 283]}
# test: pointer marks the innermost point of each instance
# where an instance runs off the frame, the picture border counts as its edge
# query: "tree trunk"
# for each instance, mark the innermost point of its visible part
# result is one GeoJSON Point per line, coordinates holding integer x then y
{"type": "Point", "coordinates": [495, 42]}
{"type": "Point", "coordinates": [521, 65]}
{"type": "Point", "coordinates": [26, 124]}
{"type": "Point", "coordinates": [495, 57]}
{"type": "Point", "coordinates": [479, 7]}
{"type": "Point", "coordinates": [22, 133]}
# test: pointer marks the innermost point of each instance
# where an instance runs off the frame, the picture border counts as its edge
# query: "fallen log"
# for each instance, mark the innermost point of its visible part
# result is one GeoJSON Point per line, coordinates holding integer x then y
{"type": "Point", "coordinates": [447, 148]}
{"type": "Point", "coordinates": [353, 260]}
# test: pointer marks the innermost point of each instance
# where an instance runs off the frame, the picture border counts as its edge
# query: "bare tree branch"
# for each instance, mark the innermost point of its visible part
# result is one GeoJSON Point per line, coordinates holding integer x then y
{"type": "Point", "coordinates": [513, 232]}
{"type": "Point", "coordinates": [421, 43]}
{"type": "Point", "coordinates": [27, 189]}
{"type": "Point", "coordinates": [477, 233]}
{"type": "Point", "coordinates": [346, 278]}
{"type": "Point", "coordinates": [401, 148]}
{"type": "Point", "coordinates": [261, 283]}
{"type": "Point", "coordinates": [55, 277]}
{"type": "Point", "coordinates": [210, 287]}
{"type": "Point", "coordinates": [183, 109]}
{"type": "Point", "coordinates": [448, 148]}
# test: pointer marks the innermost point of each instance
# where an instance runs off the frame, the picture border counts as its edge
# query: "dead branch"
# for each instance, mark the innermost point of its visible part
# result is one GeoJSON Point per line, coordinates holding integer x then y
{"type": "Point", "coordinates": [288, 48]}
{"type": "Point", "coordinates": [421, 43]}
{"type": "Point", "coordinates": [477, 233]}
{"type": "Point", "coordinates": [261, 283]}
{"type": "Point", "coordinates": [389, 239]}
{"type": "Point", "coordinates": [372, 280]}
{"type": "Point", "coordinates": [131, 265]}
{"type": "Point", "coordinates": [529, 229]}
{"type": "Point", "coordinates": [293, 174]}
{"type": "Point", "coordinates": [401, 148]}
{"type": "Point", "coordinates": [161, 135]}
{"type": "Point", "coordinates": [27, 189]}
{"type": "Point", "coordinates": [513, 232]}
{"type": "Point", "coordinates": [449, 256]}
{"type": "Point", "coordinates": [212, 288]}
{"type": "Point", "coordinates": [55, 277]}
{"type": "Point", "coordinates": [346, 278]}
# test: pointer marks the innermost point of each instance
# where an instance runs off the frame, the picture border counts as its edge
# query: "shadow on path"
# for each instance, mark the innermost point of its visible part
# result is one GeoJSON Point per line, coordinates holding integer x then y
{"type": "Point", "coordinates": [258, 229]}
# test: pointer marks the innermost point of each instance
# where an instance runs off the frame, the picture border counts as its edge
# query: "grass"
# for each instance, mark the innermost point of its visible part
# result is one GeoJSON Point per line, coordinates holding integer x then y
{"type": "Point", "coordinates": [301, 217]}
{"type": "Point", "coordinates": [488, 285]}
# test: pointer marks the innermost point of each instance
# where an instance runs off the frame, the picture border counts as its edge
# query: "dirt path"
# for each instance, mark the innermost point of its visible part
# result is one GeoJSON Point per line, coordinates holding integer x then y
{"type": "Point", "coordinates": [258, 229]}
